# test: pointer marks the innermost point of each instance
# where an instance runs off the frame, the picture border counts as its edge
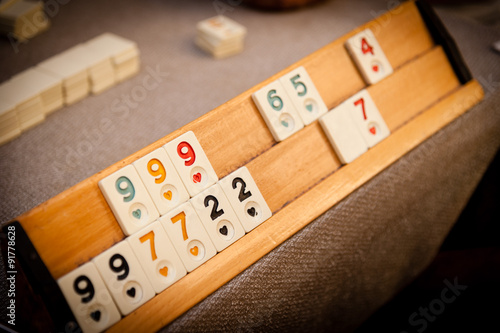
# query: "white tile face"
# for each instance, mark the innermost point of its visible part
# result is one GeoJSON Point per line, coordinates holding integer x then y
{"type": "Point", "coordinates": [369, 56]}
{"type": "Point", "coordinates": [161, 180]}
{"type": "Point", "coordinates": [157, 256]}
{"type": "Point", "coordinates": [246, 199]}
{"type": "Point", "coordinates": [89, 299]}
{"type": "Point", "coordinates": [191, 163]}
{"type": "Point", "coordinates": [188, 236]}
{"type": "Point", "coordinates": [124, 277]}
{"type": "Point", "coordinates": [221, 28]}
{"type": "Point", "coordinates": [343, 134]}
{"type": "Point", "coordinates": [218, 217]}
{"type": "Point", "coordinates": [304, 95]}
{"type": "Point", "coordinates": [128, 199]}
{"type": "Point", "coordinates": [367, 118]}
{"type": "Point", "coordinates": [278, 111]}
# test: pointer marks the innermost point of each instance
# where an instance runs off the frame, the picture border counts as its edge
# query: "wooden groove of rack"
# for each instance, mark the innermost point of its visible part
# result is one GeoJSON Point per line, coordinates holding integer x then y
{"type": "Point", "coordinates": [80, 225]}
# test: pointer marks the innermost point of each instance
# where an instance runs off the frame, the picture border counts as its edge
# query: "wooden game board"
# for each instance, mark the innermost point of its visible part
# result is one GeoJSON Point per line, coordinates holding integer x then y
{"type": "Point", "coordinates": [300, 178]}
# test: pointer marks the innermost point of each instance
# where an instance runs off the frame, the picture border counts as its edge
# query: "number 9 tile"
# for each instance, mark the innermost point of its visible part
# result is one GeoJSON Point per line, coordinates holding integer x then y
{"type": "Point", "coordinates": [128, 199]}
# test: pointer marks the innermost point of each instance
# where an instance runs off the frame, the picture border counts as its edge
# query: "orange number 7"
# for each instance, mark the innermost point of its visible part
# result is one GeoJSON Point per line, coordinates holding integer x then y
{"type": "Point", "coordinates": [181, 217]}
{"type": "Point", "coordinates": [151, 237]}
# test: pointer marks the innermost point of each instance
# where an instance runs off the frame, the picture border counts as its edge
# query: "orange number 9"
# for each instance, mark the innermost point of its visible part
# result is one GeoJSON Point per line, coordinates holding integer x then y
{"type": "Point", "coordinates": [157, 170]}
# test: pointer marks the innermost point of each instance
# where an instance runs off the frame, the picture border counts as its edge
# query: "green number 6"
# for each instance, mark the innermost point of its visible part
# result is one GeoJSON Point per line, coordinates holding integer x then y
{"type": "Point", "coordinates": [297, 84]}
{"type": "Point", "coordinates": [273, 100]}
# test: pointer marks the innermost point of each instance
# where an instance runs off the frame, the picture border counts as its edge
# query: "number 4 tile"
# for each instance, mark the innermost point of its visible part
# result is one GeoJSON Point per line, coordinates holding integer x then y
{"type": "Point", "coordinates": [246, 199]}
{"type": "Point", "coordinates": [369, 56]}
{"type": "Point", "coordinates": [278, 110]}
{"type": "Point", "coordinates": [124, 277]}
{"type": "Point", "coordinates": [304, 95]}
{"type": "Point", "coordinates": [191, 163]}
{"type": "Point", "coordinates": [89, 299]}
{"type": "Point", "coordinates": [367, 118]}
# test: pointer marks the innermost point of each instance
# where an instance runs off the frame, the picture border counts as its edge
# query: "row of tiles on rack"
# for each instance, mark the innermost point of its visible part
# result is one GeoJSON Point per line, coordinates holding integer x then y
{"type": "Point", "coordinates": [292, 101]}
{"type": "Point", "coordinates": [177, 214]}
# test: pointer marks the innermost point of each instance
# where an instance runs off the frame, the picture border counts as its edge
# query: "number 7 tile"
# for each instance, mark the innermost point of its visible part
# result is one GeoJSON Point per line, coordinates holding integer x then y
{"type": "Point", "coordinates": [367, 118]}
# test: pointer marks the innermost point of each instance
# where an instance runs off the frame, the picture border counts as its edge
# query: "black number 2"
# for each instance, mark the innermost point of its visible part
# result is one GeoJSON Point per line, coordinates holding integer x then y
{"type": "Point", "coordinates": [215, 213]}
{"type": "Point", "coordinates": [243, 195]}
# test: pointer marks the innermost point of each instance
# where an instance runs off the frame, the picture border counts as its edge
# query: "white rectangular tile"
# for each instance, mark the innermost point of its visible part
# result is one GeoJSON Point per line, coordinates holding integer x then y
{"type": "Point", "coordinates": [218, 217]}
{"type": "Point", "coordinates": [189, 237]}
{"type": "Point", "coordinates": [246, 199]}
{"type": "Point", "coordinates": [89, 299]}
{"type": "Point", "coordinates": [278, 110]}
{"type": "Point", "coordinates": [124, 277]}
{"type": "Point", "coordinates": [161, 180]}
{"type": "Point", "coordinates": [128, 199]}
{"type": "Point", "coordinates": [304, 95]}
{"type": "Point", "coordinates": [157, 256]}
{"type": "Point", "coordinates": [369, 56]}
{"type": "Point", "coordinates": [191, 163]}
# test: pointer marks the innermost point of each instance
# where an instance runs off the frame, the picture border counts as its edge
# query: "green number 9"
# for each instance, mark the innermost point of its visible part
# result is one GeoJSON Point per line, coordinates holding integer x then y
{"type": "Point", "coordinates": [273, 100]}
{"type": "Point", "coordinates": [297, 84]}
{"type": "Point", "coordinates": [124, 187]}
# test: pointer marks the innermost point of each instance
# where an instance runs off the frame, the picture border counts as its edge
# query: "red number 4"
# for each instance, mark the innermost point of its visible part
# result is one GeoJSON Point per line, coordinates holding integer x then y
{"type": "Point", "coordinates": [362, 102]}
{"type": "Point", "coordinates": [365, 47]}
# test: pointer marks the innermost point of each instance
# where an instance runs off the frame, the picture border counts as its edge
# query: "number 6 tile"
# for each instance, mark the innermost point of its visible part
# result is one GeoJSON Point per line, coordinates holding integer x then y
{"type": "Point", "coordinates": [278, 111]}
{"type": "Point", "coordinates": [129, 200]}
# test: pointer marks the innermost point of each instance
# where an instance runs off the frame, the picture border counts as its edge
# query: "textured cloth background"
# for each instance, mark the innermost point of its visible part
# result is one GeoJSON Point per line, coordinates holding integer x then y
{"type": "Point", "coordinates": [339, 269]}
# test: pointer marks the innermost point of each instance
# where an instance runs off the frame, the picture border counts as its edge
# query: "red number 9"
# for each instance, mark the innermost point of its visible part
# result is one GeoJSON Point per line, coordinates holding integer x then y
{"type": "Point", "coordinates": [189, 156]}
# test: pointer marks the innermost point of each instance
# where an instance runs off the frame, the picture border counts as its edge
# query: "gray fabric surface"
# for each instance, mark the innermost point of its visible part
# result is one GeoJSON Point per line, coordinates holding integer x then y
{"type": "Point", "coordinates": [339, 269]}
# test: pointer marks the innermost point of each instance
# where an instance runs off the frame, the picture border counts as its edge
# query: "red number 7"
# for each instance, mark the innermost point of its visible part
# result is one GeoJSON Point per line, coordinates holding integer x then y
{"type": "Point", "coordinates": [362, 102]}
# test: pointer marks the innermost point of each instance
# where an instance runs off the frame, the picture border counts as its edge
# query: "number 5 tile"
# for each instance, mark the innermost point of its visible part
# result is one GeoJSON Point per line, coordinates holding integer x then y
{"type": "Point", "coordinates": [304, 95]}
{"type": "Point", "coordinates": [129, 200]}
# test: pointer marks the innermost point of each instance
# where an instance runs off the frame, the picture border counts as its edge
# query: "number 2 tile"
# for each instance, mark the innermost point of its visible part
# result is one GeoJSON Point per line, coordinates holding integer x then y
{"type": "Point", "coordinates": [157, 256]}
{"type": "Point", "coordinates": [304, 95]}
{"type": "Point", "coordinates": [218, 217]}
{"type": "Point", "coordinates": [161, 180]}
{"type": "Point", "coordinates": [278, 110]}
{"type": "Point", "coordinates": [246, 199]}
{"type": "Point", "coordinates": [367, 118]}
{"type": "Point", "coordinates": [124, 277]}
{"type": "Point", "coordinates": [191, 163]}
{"type": "Point", "coordinates": [89, 299]}
{"type": "Point", "coordinates": [189, 237]}
{"type": "Point", "coordinates": [128, 199]}
{"type": "Point", "coordinates": [369, 56]}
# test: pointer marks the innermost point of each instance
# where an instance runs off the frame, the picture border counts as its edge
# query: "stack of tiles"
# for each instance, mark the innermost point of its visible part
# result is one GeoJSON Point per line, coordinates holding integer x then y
{"type": "Point", "coordinates": [22, 19]}
{"type": "Point", "coordinates": [100, 70]}
{"type": "Point", "coordinates": [220, 36]}
{"type": "Point", "coordinates": [9, 125]}
{"type": "Point", "coordinates": [123, 54]}
{"type": "Point", "coordinates": [37, 82]}
{"type": "Point", "coordinates": [27, 101]}
{"type": "Point", "coordinates": [73, 75]}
